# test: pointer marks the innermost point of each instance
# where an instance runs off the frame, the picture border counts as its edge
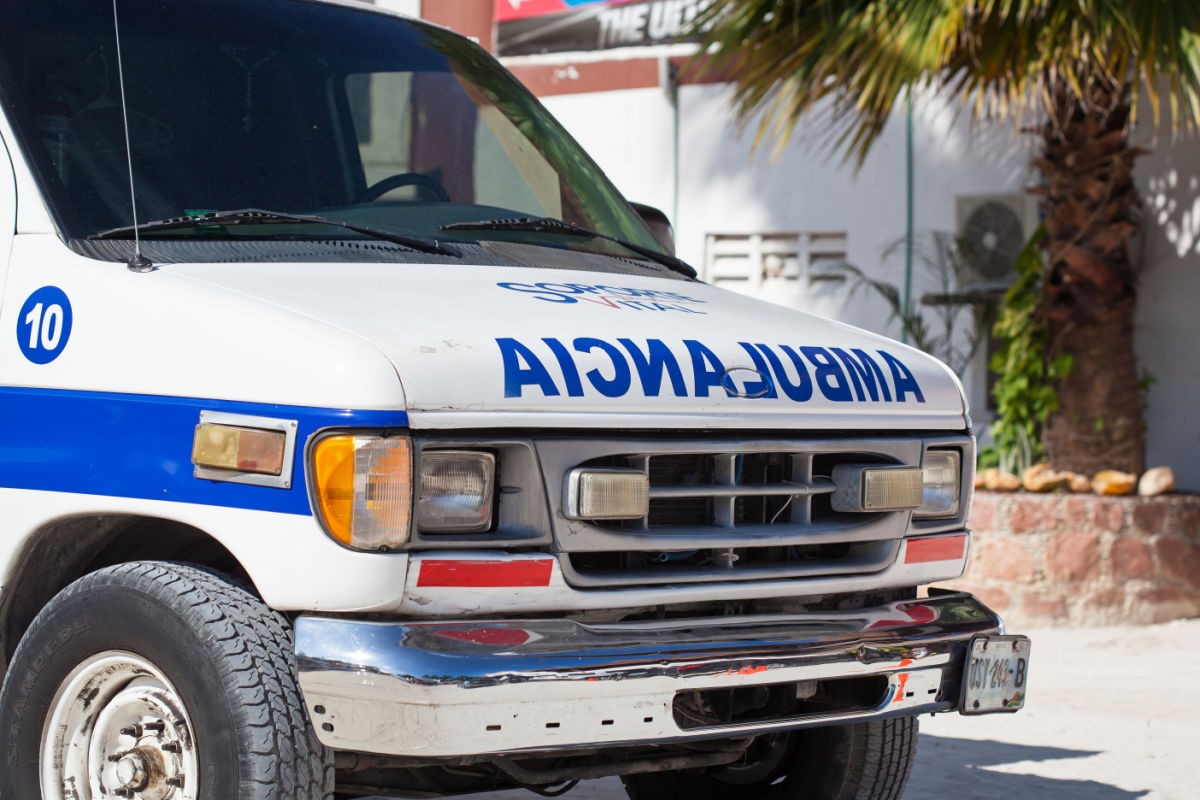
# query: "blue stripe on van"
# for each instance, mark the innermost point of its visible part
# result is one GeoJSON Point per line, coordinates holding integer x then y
{"type": "Point", "coordinates": [128, 445]}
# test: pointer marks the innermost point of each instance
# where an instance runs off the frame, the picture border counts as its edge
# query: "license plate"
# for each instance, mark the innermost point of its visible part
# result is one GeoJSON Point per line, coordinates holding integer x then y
{"type": "Point", "coordinates": [997, 668]}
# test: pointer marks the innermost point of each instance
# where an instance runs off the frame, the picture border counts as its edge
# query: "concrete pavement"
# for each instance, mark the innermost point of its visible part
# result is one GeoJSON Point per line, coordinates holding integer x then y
{"type": "Point", "coordinates": [1112, 714]}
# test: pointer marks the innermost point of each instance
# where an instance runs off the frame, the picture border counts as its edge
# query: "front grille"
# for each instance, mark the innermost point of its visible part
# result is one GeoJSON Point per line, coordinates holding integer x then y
{"type": "Point", "coordinates": [728, 511]}
{"type": "Point", "coordinates": [733, 489]}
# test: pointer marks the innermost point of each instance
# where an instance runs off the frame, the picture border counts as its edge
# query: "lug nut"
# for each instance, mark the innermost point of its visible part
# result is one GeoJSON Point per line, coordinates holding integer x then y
{"type": "Point", "coordinates": [154, 727]}
{"type": "Point", "coordinates": [172, 747]}
{"type": "Point", "coordinates": [134, 730]}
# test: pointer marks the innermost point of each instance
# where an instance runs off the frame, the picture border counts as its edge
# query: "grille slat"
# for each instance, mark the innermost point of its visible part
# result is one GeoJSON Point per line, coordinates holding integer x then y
{"type": "Point", "coordinates": [742, 490]}
{"type": "Point", "coordinates": [864, 558]}
{"type": "Point", "coordinates": [881, 527]}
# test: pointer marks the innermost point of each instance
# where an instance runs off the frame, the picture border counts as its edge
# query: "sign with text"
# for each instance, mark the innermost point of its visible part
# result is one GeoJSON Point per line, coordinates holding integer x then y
{"type": "Point", "coordinates": [554, 26]}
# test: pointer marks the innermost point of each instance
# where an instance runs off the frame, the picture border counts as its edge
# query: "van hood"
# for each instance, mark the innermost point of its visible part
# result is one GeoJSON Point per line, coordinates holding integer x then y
{"type": "Point", "coordinates": [485, 346]}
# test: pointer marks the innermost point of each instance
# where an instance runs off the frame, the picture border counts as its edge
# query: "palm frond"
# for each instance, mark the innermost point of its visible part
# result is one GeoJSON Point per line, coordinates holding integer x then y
{"type": "Point", "coordinates": [853, 60]}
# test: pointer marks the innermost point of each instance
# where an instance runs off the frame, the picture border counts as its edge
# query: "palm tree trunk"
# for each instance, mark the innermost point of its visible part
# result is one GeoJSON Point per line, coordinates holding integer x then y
{"type": "Point", "coordinates": [1098, 424]}
{"type": "Point", "coordinates": [1091, 205]}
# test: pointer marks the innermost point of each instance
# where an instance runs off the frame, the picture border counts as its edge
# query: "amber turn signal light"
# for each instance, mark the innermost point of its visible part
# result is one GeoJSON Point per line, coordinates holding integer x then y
{"type": "Point", "coordinates": [240, 449]}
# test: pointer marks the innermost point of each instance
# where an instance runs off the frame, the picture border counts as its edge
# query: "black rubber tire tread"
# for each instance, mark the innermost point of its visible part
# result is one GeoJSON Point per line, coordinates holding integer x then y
{"type": "Point", "coordinates": [882, 758]}
{"type": "Point", "coordinates": [251, 648]}
{"type": "Point", "coordinates": [861, 761]}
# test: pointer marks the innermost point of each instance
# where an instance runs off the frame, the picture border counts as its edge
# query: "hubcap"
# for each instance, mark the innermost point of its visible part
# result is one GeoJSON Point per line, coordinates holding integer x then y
{"type": "Point", "coordinates": [117, 728]}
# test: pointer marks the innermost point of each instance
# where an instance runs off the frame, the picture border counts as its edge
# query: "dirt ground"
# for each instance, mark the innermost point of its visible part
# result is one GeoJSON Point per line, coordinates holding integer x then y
{"type": "Point", "coordinates": [1112, 714]}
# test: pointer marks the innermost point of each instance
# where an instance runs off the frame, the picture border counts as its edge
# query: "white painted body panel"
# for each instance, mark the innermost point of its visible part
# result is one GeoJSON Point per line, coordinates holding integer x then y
{"type": "Point", "coordinates": [293, 563]}
{"type": "Point", "coordinates": [439, 326]}
{"type": "Point", "coordinates": [160, 333]}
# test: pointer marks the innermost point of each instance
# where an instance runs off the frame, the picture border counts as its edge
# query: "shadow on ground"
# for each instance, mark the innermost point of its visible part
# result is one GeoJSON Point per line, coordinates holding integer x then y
{"type": "Point", "coordinates": [945, 768]}
{"type": "Point", "coordinates": [948, 767]}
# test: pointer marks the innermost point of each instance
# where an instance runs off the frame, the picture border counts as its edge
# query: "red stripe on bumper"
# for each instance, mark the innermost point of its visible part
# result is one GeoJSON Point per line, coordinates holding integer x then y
{"type": "Point", "coordinates": [526, 572]}
{"type": "Point", "coordinates": [937, 548]}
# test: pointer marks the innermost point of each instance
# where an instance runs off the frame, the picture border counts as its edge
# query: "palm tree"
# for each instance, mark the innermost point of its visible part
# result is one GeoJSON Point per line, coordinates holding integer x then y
{"type": "Point", "coordinates": [1084, 68]}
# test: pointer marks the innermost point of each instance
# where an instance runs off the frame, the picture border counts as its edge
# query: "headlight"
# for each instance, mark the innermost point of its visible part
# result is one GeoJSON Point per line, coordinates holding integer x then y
{"type": "Point", "coordinates": [362, 488]}
{"type": "Point", "coordinates": [942, 478]}
{"type": "Point", "coordinates": [456, 491]}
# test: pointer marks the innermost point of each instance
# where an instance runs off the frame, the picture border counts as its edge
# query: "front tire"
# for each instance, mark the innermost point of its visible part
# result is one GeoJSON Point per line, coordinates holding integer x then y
{"type": "Point", "coordinates": [157, 681]}
{"type": "Point", "coordinates": [862, 761]}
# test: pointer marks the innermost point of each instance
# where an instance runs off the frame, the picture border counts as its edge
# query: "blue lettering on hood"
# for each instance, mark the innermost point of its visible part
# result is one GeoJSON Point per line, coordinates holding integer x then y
{"type": "Point", "coordinates": [551, 368]}
{"type": "Point", "coordinates": [612, 297]}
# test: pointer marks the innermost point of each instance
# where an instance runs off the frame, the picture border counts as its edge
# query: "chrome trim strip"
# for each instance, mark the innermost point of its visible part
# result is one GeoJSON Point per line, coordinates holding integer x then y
{"type": "Point", "coordinates": [445, 689]}
{"type": "Point", "coordinates": [817, 486]}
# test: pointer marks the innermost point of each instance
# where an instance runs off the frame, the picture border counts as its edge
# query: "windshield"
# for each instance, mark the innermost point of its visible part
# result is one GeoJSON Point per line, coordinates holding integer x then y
{"type": "Point", "coordinates": [293, 106]}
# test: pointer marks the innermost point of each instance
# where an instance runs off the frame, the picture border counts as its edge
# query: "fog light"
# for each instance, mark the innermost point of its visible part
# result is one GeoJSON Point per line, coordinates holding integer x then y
{"type": "Point", "coordinates": [456, 491]}
{"type": "Point", "coordinates": [607, 494]}
{"type": "Point", "coordinates": [362, 487]}
{"type": "Point", "coordinates": [861, 488]}
{"type": "Point", "coordinates": [942, 479]}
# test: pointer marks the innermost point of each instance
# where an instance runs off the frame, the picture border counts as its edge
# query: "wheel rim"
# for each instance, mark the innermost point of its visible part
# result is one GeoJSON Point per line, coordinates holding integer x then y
{"type": "Point", "coordinates": [117, 728]}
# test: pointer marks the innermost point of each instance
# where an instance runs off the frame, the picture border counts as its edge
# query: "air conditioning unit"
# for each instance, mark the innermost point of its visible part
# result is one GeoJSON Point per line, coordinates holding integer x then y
{"type": "Point", "coordinates": [995, 228]}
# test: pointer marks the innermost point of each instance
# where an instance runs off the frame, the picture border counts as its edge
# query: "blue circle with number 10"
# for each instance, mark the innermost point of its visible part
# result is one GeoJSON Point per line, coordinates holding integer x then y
{"type": "Point", "coordinates": [44, 324]}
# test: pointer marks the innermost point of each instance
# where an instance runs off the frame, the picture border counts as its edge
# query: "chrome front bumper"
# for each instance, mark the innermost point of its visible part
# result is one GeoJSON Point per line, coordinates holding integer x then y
{"type": "Point", "coordinates": [447, 689]}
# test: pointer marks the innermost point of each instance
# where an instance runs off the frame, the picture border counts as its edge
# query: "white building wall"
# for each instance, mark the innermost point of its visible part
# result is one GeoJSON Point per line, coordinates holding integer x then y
{"type": "Point", "coordinates": [1168, 317]}
{"type": "Point", "coordinates": [410, 7]}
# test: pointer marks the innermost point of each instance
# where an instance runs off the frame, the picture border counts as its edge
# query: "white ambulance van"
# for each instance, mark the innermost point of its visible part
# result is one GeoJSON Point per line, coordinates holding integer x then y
{"type": "Point", "coordinates": [358, 438]}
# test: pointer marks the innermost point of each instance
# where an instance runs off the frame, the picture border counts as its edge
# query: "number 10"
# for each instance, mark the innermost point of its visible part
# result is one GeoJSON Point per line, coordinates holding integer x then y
{"type": "Point", "coordinates": [48, 329]}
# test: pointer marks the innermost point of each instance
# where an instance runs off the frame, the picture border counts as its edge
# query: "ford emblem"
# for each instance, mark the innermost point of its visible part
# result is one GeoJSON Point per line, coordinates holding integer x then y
{"type": "Point", "coordinates": [731, 388]}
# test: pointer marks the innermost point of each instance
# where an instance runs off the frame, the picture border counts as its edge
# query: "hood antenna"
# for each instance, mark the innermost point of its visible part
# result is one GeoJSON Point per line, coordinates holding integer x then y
{"type": "Point", "coordinates": [137, 262]}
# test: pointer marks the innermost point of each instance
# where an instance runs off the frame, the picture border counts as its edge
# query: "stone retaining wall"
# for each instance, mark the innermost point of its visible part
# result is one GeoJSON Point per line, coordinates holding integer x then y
{"type": "Point", "coordinates": [1064, 559]}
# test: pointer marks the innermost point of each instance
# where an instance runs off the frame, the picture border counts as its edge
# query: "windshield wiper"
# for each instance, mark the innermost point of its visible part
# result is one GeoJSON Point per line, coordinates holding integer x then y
{"type": "Point", "coordinates": [551, 225]}
{"type": "Point", "coordinates": [258, 216]}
